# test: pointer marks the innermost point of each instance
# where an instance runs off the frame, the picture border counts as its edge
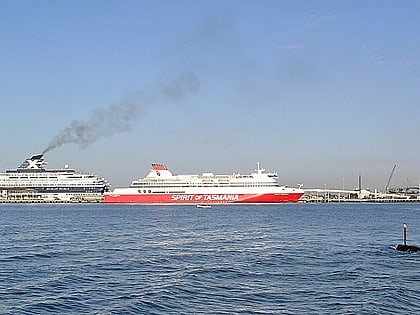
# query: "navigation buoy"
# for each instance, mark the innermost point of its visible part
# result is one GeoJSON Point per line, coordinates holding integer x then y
{"type": "Point", "coordinates": [404, 247]}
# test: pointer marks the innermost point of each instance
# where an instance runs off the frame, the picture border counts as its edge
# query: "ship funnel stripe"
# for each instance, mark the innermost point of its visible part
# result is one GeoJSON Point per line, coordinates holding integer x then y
{"type": "Point", "coordinates": [159, 167]}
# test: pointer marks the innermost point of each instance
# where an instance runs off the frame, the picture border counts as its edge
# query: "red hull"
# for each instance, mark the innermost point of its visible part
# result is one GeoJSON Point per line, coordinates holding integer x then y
{"type": "Point", "coordinates": [200, 198]}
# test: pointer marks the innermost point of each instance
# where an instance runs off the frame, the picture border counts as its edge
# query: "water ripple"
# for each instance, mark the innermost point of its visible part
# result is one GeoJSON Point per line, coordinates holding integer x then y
{"type": "Point", "coordinates": [288, 259]}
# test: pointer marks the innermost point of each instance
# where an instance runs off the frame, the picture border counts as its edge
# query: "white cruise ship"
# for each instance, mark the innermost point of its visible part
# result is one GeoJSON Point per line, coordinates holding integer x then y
{"type": "Point", "coordinates": [32, 182]}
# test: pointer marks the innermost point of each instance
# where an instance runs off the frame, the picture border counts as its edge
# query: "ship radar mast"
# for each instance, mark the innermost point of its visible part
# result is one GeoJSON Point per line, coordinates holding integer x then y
{"type": "Point", "coordinates": [259, 170]}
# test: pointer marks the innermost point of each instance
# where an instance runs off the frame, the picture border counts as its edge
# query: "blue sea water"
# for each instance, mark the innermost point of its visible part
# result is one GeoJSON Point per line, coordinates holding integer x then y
{"type": "Point", "coordinates": [237, 259]}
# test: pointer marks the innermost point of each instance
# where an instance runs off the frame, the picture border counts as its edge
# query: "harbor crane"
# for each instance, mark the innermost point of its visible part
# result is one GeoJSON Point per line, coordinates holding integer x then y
{"type": "Point", "coordinates": [390, 177]}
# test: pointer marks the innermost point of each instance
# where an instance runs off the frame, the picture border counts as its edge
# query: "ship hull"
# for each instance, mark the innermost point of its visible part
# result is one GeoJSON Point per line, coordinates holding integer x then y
{"type": "Point", "coordinates": [218, 198]}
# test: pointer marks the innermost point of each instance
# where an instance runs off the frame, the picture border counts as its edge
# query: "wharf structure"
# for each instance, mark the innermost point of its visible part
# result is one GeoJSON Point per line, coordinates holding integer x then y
{"type": "Point", "coordinates": [407, 194]}
{"type": "Point", "coordinates": [358, 195]}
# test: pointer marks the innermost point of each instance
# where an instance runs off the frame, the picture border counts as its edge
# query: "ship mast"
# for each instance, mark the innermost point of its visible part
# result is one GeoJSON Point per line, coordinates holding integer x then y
{"type": "Point", "coordinates": [259, 170]}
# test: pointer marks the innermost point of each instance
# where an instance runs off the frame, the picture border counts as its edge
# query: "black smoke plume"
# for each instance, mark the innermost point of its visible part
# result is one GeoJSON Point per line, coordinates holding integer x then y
{"type": "Point", "coordinates": [122, 116]}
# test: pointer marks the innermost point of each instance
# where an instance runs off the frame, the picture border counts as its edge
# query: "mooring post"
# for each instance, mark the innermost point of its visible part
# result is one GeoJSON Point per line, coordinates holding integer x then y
{"type": "Point", "coordinates": [404, 247]}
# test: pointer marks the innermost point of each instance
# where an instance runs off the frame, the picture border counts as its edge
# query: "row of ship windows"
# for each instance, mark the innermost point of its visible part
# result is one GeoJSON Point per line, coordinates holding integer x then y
{"type": "Point", "coordinates": [160, 184]}
{"type": "Point", "coordinates": [58, 191]}
{"type": "Point", "coordinates": [55, 185]}
{"type": "Point", "coordinates": [208, 185]}
{"type": "Point", "coordinates": [144, 191]}
{"type": "Point", "coordinates": [210, 182]}
{"type": "Point", "coordinates": [43, 180]}
{"type": "Point", "coordinates": [33, 177]}
{"type": "Point", "coordinates": [49, 177]}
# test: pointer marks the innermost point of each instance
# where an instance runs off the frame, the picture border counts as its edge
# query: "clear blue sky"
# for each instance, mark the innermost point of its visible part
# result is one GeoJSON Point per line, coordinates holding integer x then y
{"type": "Point", "coordinates": [318, 90]}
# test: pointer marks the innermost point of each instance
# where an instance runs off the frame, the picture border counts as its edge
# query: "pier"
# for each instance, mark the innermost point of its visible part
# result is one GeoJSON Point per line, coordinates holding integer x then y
{"type": "Point", "coordinates": [319, 195]}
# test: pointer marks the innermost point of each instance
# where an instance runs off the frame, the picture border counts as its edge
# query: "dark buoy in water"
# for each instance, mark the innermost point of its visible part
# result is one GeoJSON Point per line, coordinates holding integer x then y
{"type": "Point", "coordinates": [404, 247]}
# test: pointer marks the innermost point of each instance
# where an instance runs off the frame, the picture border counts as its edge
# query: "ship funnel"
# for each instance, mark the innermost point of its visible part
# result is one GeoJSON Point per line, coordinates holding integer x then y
{"type": "Point", "coordinates": [34, 162]}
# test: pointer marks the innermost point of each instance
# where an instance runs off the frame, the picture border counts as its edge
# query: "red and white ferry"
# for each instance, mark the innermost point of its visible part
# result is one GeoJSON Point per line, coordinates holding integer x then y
{"type": "Point", "coordinates": [160, 186]}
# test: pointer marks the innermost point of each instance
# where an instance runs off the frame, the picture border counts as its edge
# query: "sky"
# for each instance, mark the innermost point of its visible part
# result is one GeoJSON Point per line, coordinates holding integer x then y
{"type": "Point", "coordinates": [319, 91]}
